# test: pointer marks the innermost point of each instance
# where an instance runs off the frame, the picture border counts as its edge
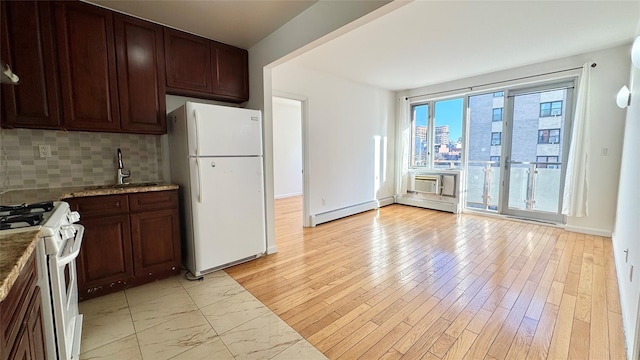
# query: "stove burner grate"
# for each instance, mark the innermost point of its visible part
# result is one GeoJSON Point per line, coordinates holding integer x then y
{"type": "Point", "coordinates": [26, 208]}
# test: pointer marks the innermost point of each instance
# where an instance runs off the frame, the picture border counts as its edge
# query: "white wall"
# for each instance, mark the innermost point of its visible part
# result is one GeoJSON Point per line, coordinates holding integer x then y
{"type": "Point", "coordinates": [627, 225]}
{"type": "Point", "coordinates": [606, 131]}
{"type": "Point", "coordinates": [287, 147]}
{"type": "Point", "coordinates": [321, 22]}
{"type": "Point", "coordinates": [345, 120]}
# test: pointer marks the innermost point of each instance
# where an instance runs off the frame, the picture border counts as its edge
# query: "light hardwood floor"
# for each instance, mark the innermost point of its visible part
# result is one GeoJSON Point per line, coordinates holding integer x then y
{"type": "Point", "coordinates": [411, 283]}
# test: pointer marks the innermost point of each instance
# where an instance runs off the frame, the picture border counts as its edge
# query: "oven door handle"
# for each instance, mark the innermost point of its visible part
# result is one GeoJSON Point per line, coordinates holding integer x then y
{"type": "Point", "coordinates": [76, 246]}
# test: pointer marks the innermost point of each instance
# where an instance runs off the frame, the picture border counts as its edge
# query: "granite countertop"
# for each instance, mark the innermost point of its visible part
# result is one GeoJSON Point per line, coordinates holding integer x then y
{"type": "Point", "coordinates": [17, 247]}
{"type": "Point", "coordinates": [15, 250]}
{"type": "Point", "coordinates": [37, 195]}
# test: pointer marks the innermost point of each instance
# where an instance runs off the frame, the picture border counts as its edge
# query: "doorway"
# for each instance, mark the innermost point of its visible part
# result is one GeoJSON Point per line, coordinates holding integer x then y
{"type": "Point", "coordinates": [289, 124]}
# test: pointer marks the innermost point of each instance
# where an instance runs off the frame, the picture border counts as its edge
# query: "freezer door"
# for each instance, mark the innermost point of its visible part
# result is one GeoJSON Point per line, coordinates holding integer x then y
{"type": "Point", "coordinates": [223, 131]}
{"type": "Point", "coordinates": [228, 210]}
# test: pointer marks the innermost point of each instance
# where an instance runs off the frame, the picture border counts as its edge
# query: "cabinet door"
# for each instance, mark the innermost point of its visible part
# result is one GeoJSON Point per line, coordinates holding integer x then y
{"type": "Point", "coordinates": [21, 349]}
{"type": "Point", "coordinates": [27, 46]}
{"type": "Point", "coordinates": [34, 327]}
{"type": "Point", "coordinates": [141, 81]}
{"type": "Point", "coordinates": [156, 242]}
{"type": "Point", "coordinates": [188, 62]}
{"type": "Point", "coordinates": [230, 72]}
{"type": "Point", "coordinates": [105, 261]}
{"type": "Point", "coordinates": [87, 66]}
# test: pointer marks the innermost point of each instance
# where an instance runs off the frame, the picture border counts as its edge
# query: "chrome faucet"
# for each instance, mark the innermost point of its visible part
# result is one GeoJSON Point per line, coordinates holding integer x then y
{"type": "Point", "coordinates": [122, 173]}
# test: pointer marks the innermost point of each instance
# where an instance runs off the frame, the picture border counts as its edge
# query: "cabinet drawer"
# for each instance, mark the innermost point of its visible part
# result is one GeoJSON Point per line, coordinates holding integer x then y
{"type": "Point", "coordinates": [14, 307]}
{"type": "Point", "coordinates": [100, 205]}
{"type": "Point", "coordinates": [154, 200]}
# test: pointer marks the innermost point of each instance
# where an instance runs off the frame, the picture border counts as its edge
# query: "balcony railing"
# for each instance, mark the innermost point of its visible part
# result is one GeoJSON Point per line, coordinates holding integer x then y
{"type": "Point", "coordinates": [532, 185]}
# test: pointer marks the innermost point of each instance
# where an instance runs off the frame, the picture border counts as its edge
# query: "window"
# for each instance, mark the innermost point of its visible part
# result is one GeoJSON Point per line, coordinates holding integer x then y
{"type": "Point", "coordinates": [447, 126]}
{"type": "Point", "coordinates": [498, 94]}
{"type": "Point", "coordinates": [496, 138]}
{"type": "Point", "coordinates": [549, 136]}
{"type": "Point", "coordinates": [547, 162]}
{"type": "Point", "coordinates": [552, 108]}
{"type": "Point", "coordinates": [436, 130]}
{"type": "Point", "coordinates": [420, 135]}
{"type": "Point", "coordinates": [497, 114]}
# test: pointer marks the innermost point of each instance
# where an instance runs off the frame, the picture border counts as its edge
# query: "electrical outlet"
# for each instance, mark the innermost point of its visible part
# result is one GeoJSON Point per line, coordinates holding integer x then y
{"type": "Point", "coordinates": [45, 151]}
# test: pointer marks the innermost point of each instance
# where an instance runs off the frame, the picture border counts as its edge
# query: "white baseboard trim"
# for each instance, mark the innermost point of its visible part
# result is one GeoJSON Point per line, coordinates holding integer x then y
{"type": "Point", "coordinates": [589, 231]}
{"type": "Point", "coordinates": [317, 219]}
{"type": "Point", "coordinates": [272, 250]}
{"type": "Point", "coordinates": [282, 196]}
{"type": "Point", "coordinates": [429, 204]}
{"type": "Point", "coordinates": [628, 323]}
{"type": "Point", "coordinates": [386, 201]}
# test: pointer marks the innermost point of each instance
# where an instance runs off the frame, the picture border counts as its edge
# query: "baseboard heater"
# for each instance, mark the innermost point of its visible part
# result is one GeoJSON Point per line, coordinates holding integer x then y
{"type": "Point", "coordinates": [317, 219]}
{"type": "Point", "coordinates": [429, 204]}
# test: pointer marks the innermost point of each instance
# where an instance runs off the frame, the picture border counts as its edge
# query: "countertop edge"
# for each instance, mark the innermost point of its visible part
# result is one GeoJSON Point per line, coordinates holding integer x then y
{"type": "Point", "coordinates": [36, 195]}
{"type": "Point", "coordinates": [25, 244]}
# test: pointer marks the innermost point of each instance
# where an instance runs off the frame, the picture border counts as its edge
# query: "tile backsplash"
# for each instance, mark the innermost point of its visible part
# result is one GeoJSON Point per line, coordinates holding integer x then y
{"type": "Point", "coordinates": [77, 158]}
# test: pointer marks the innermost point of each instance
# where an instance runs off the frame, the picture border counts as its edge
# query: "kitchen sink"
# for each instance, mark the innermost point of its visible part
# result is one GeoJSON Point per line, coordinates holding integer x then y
{"type": "Point", "coordinates": [121, 186]}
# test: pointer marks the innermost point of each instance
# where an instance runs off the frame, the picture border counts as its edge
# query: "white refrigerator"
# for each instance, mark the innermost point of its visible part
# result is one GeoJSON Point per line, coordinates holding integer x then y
{"type": "Point", "coordinates": [216, 158]}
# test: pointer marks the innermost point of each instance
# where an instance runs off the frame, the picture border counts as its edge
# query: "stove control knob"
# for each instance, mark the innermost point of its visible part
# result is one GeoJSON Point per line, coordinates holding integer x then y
{"type": "Point", "coordinates": [73, 216]}
{"type": "Point", "coordinates": [67, 231]}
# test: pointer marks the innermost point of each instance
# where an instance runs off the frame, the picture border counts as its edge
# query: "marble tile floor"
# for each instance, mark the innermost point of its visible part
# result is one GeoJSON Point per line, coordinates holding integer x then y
{"type": "Point", "coordinates": [215, 318]}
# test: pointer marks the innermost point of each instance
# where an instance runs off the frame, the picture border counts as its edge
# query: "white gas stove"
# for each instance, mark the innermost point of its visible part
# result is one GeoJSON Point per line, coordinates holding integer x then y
{"type": "Point", "coordinates": [62, 239]}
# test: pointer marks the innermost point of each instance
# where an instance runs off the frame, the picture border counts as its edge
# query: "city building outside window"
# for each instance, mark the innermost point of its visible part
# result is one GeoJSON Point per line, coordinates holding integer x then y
{"type": "Point", "coordinates": [437, 134]}
{"type": "Point", "coordinates": [552, 108]}
{"type": "Point", "coordinates": [498, 94]}
{"type": "Point", "coordinates": [497, 114]}
{"type": "Point", "coordinates": [549, 136]}
{"type": "Point", "coordinates": [547, 162]}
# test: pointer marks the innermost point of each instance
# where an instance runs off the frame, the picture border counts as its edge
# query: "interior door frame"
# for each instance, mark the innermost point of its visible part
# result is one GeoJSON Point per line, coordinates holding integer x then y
{"type": "Point", "coordinates": [304, 102]}
{"type": "Point", "coordinates": [507, 126]}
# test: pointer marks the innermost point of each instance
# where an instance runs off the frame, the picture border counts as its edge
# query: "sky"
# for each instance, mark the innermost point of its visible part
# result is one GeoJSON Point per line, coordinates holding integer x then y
{"type": "Point", "coordinates": [448, 112]}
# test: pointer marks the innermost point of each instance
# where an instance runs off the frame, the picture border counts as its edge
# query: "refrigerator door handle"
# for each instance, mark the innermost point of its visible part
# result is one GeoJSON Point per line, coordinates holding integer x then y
{"type": "Point", "coordinates": [200, 195]}
{"type": "Point", "coordinates": [195, 118]}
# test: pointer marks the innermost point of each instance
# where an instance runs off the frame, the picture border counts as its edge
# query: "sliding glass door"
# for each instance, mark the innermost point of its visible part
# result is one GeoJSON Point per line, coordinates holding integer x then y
{"type": "Point", "coordinates": [517, 151]}
{"type": "Point", "coordinates": [536, 151]}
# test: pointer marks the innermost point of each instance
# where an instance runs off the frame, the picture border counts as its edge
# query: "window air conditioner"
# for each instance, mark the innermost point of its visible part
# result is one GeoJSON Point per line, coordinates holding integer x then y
{"type": "Point", "coordinates": [427, 184]}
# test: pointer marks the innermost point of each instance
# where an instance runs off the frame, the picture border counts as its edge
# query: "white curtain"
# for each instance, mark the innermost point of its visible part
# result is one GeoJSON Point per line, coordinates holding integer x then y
{"type": "Point", "coordinates": [405, 139]}
{"type": "Point", "coordinates": [576, 186]}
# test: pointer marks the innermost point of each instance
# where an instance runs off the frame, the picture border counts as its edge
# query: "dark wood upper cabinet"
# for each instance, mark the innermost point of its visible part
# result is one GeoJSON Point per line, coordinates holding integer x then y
{"type": "Point", "coordinates": [83, 67]}
{"type": "Point", "coordinates": [141, 80]}
{"type": "Point", "coordinates": [188, 62]}
{"type": "Point", "coordinates": [28, 47]}
{"type": "Point", "coordinates": [230, 71]}
{"type": "Point", "coordinates": [87, 66]}
{"type": "Point", "coordinates": [200, 67]}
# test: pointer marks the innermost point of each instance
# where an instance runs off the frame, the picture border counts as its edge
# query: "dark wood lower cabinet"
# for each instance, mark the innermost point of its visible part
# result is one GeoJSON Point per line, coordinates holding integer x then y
{"type": "Point", "coordinates": [129, 240]}
{"type": "Point", "coordinates": [34, 327]}
{"type": "Point", "coordinates": [98, 272]}
{"type": "Point", "coordinates": [21, 331]}
{"type": "Point", "coordinates": [154, 245]}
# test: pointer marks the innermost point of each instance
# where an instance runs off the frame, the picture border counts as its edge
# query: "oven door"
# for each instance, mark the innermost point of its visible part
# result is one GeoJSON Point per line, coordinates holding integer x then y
{"type": "Point", "coordinates": [64, 292]}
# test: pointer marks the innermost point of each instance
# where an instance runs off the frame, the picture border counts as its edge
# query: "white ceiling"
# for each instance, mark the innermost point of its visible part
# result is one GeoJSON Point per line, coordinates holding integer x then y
{"type": "Point", "coordinates": [241, 23]}
{"type": "Point", "coordinates": [430, 42]}
{"type": "Point", "coordinates": [421, 43]}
